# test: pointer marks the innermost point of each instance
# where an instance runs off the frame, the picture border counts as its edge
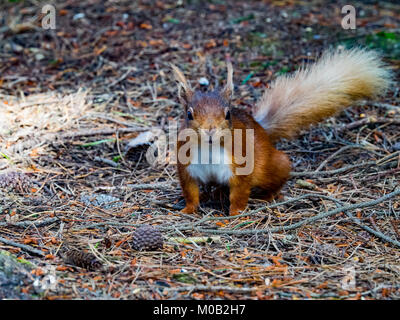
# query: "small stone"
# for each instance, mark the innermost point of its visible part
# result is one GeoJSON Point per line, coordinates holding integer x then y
{"type": "Point", "coordinates": [39, 56]}
{"type": "Point", "coordinates": [78, 16]}
{"type": "Point", "coordinates": [204, 82]}
{"type": "Point", "coordinates": [13, 47]}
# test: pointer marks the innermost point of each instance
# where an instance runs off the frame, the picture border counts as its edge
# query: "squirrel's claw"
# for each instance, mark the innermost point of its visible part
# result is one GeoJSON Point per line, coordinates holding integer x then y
{"type": "Point", "coordinates": [189, 209]}
{"type": "Point", "coordinates": [234, 212]}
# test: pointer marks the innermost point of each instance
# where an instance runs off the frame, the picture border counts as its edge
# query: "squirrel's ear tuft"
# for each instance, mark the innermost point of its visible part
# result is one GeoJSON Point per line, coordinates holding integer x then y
{"type": "Point", "coordinates": [227, 112]}
{"type": "Point", "coordinates": [227, 91]}
{"type": "Point", "coordinates": [183, 85]}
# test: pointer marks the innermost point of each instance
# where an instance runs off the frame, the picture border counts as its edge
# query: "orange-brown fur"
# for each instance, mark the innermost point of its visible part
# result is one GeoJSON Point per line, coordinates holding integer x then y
{"type": "Point", "coordinates": [271, 167]}
{"type": "Point", "coordinates": [292, 103]}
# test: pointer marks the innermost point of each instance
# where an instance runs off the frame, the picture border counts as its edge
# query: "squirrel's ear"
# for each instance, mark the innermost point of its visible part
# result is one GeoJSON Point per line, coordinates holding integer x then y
{"type": "Point", "coordinates": [183, 85]}
{"type": "Point", "coordinates": [227, 91]}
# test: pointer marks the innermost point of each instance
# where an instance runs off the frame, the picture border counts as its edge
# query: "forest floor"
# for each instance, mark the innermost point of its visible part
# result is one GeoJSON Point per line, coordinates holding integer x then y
{"type": "Point", "coordinates": [71, 100]}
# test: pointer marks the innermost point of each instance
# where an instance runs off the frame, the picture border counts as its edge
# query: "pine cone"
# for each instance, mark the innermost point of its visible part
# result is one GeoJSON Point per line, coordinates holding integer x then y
{"type": "Point", "coordinates": [14, 181]}
{"type": "Point", "coordinates": [82, 259]}
{"type": "Point", "coordinates": [148, 238]}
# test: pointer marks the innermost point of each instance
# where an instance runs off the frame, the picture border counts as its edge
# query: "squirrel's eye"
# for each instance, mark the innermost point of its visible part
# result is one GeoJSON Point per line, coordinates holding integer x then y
{"type": "Point", "coordinates": [190, 115]}
{"type": "Point", "coordinates": [228, 115]}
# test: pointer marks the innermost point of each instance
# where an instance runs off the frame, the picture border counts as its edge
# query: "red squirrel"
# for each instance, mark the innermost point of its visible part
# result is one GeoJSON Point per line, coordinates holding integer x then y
{"type": "Point", "coordinates": [290, 104]}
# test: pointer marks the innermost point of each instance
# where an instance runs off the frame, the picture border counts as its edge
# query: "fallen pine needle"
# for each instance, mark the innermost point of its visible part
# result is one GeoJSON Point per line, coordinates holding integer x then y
{"type": "Point", "coordinates": [216, 239]}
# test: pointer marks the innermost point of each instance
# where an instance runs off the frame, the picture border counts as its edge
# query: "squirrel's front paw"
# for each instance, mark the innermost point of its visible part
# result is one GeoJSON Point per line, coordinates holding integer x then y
{"type": "Point", "coordinates": [189, 209]}
{"type": "Point", "coordinates": [234, 211]}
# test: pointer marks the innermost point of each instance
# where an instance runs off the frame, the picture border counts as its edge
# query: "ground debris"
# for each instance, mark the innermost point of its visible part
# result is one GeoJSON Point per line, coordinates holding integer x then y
{"type": "Point", "coordinates": [71, 103]}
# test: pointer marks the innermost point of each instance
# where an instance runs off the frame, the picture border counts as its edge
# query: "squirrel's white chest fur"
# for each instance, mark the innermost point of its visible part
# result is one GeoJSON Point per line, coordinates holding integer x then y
{"type": "Point", "coordinates": [216, 169]}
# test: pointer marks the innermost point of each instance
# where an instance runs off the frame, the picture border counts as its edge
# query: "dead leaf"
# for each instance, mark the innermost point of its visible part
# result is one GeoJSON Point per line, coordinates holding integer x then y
{"type": "Point", "coordinates": [146, 26]}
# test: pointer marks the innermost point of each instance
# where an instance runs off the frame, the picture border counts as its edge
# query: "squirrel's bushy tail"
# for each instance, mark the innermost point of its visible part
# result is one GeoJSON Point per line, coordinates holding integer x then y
{"type": "Point", "coordinates": [320, 90]}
